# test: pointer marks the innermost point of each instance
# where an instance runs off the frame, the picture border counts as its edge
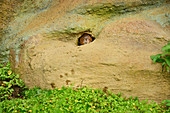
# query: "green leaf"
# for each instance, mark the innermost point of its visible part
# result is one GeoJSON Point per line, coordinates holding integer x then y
{"type": "Point", "coordinates": [164, 63]}
{"type": "Point", "coordinates": [5, 82]}
{"type": "Point", "coordinates": [119, 94]}
{"type": "Point", "coordinates": [1, 108]}
{"type": "Point", "coordinates": [17, 76]}
{"type": "Point", "coordinates": [5, 68]}
{"type": "Point", "coordinates": [153, 56]}
{"type": "Point", "coordinates": [11, 90]}
{"type": "Point", "coordinates": [168, 104]}
{"type": "Point", "coordinates": [168, 69]}
{"type": "Point", "coordinates": [165, 54]}
{"type": "Point", "coordinates": [168, 101]}
{"type": "Point", "coordinates": [160, 60]}
{"type": "Point", "coordinates": [156, 58]}
{"type": "Point", "coordinates": [167, 60]}
{"type": "Point", "coordinates": [10, 85]}
{"type": "Point", "coordinates": [166, 48]}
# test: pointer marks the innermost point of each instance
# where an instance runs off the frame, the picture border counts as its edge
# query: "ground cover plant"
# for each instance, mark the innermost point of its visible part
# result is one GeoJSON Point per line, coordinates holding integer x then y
{"type": "Point", "coordinates": [10, 84]}
{"type": "Point", "coordinates": [163, 58]}
{"type": "Point", "coordinates": [80, 100]}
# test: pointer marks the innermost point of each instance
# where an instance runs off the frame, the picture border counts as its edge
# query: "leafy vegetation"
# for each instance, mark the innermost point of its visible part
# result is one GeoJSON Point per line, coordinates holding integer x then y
{"type": "Point", "coordinates": [163, 58]}
{"type": "Point", "coordinates": [78, 100]}
{"type": "Point", "coordinates": [167, 103]}
{"type": "Point", "coordinates": [10, 84]}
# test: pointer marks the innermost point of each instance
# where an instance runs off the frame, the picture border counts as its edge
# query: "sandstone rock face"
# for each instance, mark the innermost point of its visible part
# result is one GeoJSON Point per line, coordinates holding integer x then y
{"type": "Point", "coordinates": [44, 47]}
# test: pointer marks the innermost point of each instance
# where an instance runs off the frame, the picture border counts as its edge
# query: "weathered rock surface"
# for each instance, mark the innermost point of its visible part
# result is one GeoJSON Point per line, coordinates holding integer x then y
{"type": "Point", "coordinates": [43, 48]}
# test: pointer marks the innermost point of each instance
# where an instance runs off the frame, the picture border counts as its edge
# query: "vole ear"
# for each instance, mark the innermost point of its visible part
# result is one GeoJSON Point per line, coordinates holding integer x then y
{"type": "Point", "coordinates": [90, 38]}
{"type": "Point", "coordinates": [82, 40]}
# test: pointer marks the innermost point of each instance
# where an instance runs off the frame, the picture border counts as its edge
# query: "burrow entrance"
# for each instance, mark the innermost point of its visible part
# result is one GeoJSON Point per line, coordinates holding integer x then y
{"type": "Point", "coordinates": [85, 39]}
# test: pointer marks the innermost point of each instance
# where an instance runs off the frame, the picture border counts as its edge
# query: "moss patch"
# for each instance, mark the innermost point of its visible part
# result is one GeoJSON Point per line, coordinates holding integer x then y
{"type": "Point", "coordinates": [111, 9]}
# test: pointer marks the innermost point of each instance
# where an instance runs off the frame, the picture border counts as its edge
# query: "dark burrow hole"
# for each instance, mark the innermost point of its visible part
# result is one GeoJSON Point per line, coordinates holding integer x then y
{"type": "Point", "coordinates": [85, 39]}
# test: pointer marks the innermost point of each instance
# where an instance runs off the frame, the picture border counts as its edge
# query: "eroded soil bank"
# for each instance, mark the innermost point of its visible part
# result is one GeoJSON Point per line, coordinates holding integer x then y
{"type": "Point", "coordinates": [42, 45]}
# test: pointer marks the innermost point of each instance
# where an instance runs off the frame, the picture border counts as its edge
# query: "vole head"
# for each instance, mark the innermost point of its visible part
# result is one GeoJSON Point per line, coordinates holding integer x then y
{"type": "Point", "coordinates": [85, 39]}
